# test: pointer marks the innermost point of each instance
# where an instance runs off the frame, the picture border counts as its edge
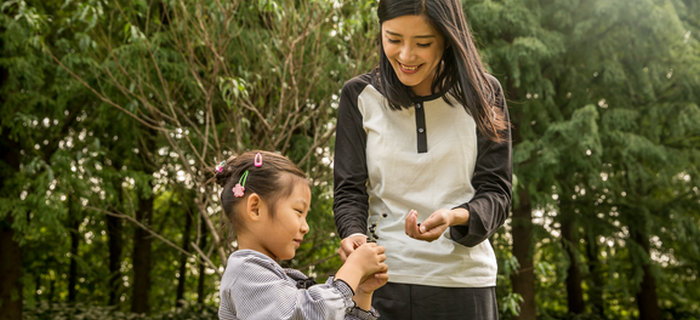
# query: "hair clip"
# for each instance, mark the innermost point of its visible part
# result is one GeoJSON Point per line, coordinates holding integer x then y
{"type": "Point", "coordinates": [239, 189]}
{"type": "Point", "coordinates": [258, 160]}
{"type": "Point", "coordinates": [220, 167]}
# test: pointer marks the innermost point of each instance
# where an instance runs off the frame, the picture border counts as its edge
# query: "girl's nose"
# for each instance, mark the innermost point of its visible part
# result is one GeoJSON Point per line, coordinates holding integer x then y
{"type": "Point", "coordinates": [304, 227]}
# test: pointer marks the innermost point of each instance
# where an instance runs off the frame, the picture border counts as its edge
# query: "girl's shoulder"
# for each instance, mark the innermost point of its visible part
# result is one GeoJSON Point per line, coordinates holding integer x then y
{"type": "Point", "coordinates": [251, 261]}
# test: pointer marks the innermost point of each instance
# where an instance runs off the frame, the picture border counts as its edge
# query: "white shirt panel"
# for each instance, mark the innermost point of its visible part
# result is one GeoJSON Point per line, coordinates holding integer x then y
{"type": "Point", "coordinates": [400, 179]}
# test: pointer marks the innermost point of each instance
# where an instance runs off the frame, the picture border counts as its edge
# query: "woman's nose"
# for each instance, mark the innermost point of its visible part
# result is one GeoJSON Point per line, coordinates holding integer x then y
{"type": "Point", "coordinates": [406, 53]}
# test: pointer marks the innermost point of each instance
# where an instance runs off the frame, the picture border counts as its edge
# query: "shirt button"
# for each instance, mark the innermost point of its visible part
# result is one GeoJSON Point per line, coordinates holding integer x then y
{"type": "Point", "coordinates": [419, 105]}
{"type": "Point", "coordinates": [420, 130]}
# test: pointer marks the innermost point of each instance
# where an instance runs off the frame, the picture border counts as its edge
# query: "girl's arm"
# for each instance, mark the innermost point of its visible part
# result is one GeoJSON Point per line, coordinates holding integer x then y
{"type": "Point", "coordinates": [261, 290]}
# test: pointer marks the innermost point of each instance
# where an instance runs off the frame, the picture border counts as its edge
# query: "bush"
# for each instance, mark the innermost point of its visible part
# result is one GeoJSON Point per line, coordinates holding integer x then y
{"type": "Point", "coordinates": [80, 311]}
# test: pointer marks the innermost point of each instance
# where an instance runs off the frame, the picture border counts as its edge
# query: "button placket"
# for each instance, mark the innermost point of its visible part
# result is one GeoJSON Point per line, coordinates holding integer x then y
{"type": "Point", "coordinates": [422, 140]}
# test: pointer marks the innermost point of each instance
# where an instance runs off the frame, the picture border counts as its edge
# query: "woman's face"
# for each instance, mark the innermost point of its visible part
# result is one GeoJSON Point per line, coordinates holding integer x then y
{"type": "Point", "coordinates": [414, 49]}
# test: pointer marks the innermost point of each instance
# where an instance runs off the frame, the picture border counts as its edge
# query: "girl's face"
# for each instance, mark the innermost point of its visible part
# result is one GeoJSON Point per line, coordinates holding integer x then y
{"type": "Point", "coordinates": [414, 49]}
{"type": "Point", "coordinates": [286, 229]}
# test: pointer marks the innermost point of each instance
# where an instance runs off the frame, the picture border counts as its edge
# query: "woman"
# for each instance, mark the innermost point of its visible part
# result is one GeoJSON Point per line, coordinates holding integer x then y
{"type": "Point", "coordinates": [423, 161]}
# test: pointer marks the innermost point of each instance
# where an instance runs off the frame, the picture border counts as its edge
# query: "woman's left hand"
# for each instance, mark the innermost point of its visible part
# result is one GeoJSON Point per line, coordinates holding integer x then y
{"type": "Point", "coordinates": [436, 224]}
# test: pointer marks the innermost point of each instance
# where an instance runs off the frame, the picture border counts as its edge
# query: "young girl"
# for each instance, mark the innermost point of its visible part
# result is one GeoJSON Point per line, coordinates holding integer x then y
{"type": "Point", "coordinates": [426, 130]}
{"type": "Point", "coordinates": [266, 198]}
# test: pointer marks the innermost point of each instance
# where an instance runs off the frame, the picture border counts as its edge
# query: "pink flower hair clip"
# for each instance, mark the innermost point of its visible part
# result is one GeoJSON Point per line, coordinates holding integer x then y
{"type": "Point", "coordinates": [220, 167]}
{"type": "Point", "coordinates": [239, 189]}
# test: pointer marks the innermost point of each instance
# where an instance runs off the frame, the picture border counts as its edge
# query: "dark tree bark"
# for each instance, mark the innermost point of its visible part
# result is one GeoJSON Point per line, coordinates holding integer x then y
{"type": "Point", "coordinates": [202, 275]}
{"type": "Point", "coordinates": [183, 261]}
{"type": "Point", "coordinates": [574, 290]}
{"type": "Point", "coordinates": [10, 272]}
{"type": "Point", "coordinates": [10, 250]}
{"type": "Point", "coordinates": [647, 299]}
{"type": "Point", "coordinates": [116, 247]}
{"type": "Point", "coordinates": [142, 258]}
{"type": "Point", "coordinates": [595, 293]}
{"type": "Point", "coordinates": [523, 280]}
{"type": "Point", "coordinates": [74, 244]}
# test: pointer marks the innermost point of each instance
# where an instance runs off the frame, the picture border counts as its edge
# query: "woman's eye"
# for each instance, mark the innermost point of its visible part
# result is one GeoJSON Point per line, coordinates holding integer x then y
{"type": "Point", "coordinates": [424, 45]}
{"type": "Point", "coordinates": [393, 41]}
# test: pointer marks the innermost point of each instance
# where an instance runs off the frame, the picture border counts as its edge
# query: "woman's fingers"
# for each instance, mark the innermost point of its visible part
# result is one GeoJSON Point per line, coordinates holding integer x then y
{"type": "Point", "coordinates": [411, 224]}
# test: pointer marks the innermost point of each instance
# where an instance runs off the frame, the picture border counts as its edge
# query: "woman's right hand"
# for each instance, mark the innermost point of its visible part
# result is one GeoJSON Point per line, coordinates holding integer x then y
{"type": "Point", "coordinates": [349, 244]}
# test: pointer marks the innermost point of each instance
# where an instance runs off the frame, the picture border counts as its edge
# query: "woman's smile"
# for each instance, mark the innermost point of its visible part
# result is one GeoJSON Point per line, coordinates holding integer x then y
{"type": "Point", "coordinates": [414, 49]}
{"type": "Point", "coordinates": [409, 68]}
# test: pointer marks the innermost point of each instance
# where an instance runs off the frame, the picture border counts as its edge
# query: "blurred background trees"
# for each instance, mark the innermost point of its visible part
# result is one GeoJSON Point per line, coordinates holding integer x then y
{"type": "Point", "coordinates": [115, 113]}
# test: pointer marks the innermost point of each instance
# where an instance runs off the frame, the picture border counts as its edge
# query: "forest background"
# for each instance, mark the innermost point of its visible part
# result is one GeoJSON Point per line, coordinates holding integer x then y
{"type": "Point", "coordinates": [114, 114]}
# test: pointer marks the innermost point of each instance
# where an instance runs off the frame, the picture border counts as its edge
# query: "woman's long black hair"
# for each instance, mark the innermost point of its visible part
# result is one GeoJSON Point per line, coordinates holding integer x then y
{"type": "Point", "coordinates": [461, 72]}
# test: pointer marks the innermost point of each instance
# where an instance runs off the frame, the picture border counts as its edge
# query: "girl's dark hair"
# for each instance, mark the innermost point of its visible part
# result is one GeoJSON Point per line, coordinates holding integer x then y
{"type": "Point", "coordinates": [270, 181]}
{"type": "Point", "coordinates": [461, 72]}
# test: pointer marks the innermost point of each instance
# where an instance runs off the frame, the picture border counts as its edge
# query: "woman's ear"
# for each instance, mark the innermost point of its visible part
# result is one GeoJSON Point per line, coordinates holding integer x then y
{"type": "Point", "coordinates": [254, 206]}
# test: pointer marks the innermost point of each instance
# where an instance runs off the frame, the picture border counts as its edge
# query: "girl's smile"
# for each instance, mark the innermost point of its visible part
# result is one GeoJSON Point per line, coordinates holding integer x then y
{"type": "Point", "coordinates": [278, 235]}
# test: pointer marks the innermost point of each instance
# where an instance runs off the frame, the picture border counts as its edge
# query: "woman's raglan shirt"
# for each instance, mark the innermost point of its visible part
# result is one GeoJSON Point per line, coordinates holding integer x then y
{"type": "Point", "coordinates": [255, 287]}
{"type": "Point", "coordinates": [426, 157]}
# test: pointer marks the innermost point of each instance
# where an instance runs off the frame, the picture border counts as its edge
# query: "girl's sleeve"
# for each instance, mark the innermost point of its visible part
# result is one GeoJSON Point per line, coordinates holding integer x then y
{"type": "Point", "coordinates": [492, 181]}
{"type": "Point", "coordinates": [350, 201]}
{"type": "Point", "coordinates": [262, 291]}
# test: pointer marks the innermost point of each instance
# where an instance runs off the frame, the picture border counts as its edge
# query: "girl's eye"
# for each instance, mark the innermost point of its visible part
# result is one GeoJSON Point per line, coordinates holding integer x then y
{"type": "Point", "coordinates": [424, 45]}
{"type": "Point", "coordinates": [393, 40]}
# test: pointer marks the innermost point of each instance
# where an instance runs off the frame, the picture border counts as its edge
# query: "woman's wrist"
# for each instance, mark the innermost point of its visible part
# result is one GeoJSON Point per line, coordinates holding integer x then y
{"type": "Point", "coordinates": [460, 216]}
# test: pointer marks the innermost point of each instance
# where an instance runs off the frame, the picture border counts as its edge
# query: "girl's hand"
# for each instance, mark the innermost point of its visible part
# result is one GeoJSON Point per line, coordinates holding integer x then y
{"type": "Point", "coordinates": [349, 244]}
{"type": "Point", "coordinates": [363, 295]}
{"type": "Point", "coordinates": [373, 282]}
{"type": "Point", "coordinates": [364, 262]}
{"type": "Point", "coordinates": [436, 224]}
{"type": "Point", "coordinates": [369, 258]}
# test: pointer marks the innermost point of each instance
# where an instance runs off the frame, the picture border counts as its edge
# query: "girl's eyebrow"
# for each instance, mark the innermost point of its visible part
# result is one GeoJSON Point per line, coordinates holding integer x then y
{"type": "Point", "coordinates": [391, 33]}
{"type": "Point", "coordinates": [303, 203]}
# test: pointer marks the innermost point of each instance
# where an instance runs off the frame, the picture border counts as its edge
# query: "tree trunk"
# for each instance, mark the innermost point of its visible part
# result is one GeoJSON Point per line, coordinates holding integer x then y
{"type": "Point", "coordinates": [142, 258]}
{"type": "Point", "coordinates": [10, 272]}
{"type": "Point", "coordinates": [523, 280]}
{"type": "Point", "coordinates": [116, 247]}
{"type": "Point", "coordinates": [647, 300]}
{"type": "Point", "coordinates": [10, 251]}
{"type": "Point", "coordinates": [183, 261]}
{"type": "Point", "coordinates": [574, 290]}
{"type": "Point", "coordinates": [202, 274]}
{"type": "Point", "coordinates": [595, 293]}
{"type": "Point", "coordinates": [74, 243]}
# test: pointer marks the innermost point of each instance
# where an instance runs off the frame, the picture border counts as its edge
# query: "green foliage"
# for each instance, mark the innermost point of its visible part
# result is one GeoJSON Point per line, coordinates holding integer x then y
{"type": "Point", "coordinates": [109, 103]}
{"type": "Point", "coordinates": [56, 311]}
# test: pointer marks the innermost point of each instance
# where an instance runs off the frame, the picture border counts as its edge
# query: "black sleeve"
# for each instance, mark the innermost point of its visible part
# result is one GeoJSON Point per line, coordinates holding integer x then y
{"type": "Point", "coordinates": [492, 181]}
{"type": "Point", "coordinates": [350, 202]}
